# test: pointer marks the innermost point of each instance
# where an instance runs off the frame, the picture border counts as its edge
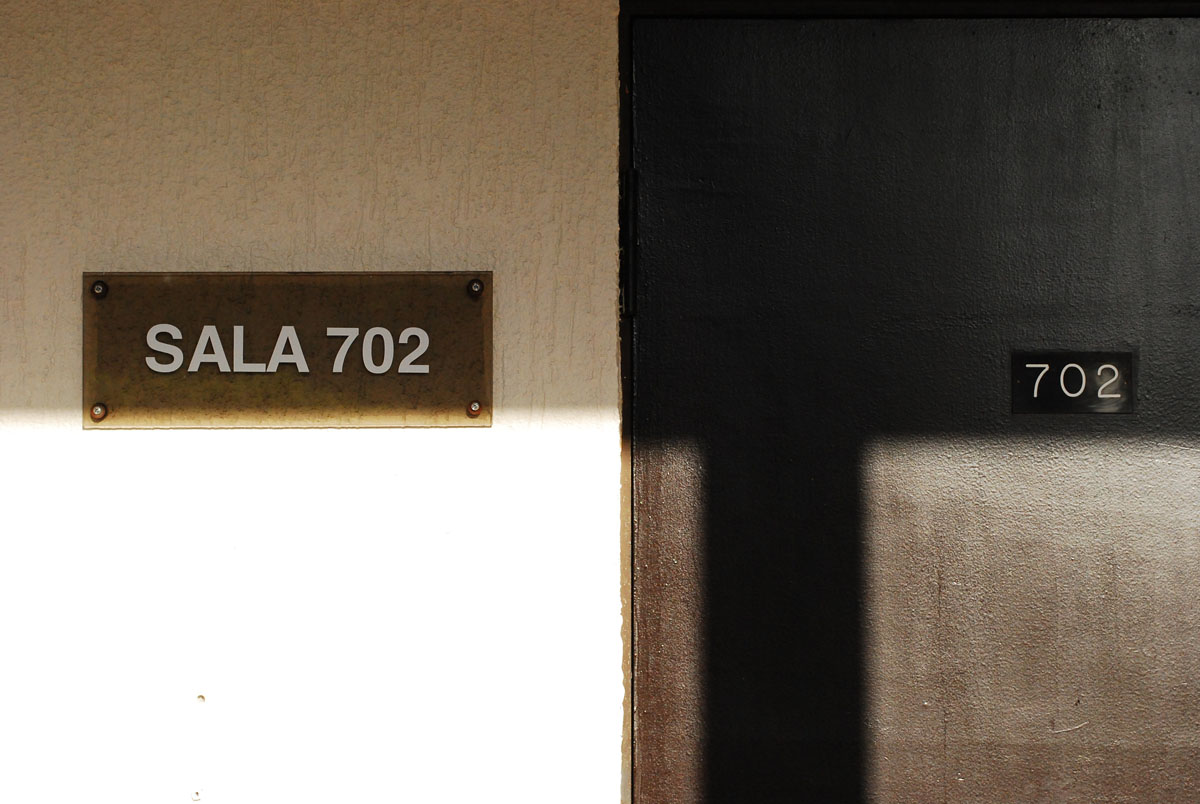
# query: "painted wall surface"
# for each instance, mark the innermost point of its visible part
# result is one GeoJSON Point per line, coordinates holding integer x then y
{"type": "Point", "coordinates": [870, 580]}
{"type": "Point", "coordinates": [1032, 635]}
{"type": "Point", "coordinates": [397, 615]}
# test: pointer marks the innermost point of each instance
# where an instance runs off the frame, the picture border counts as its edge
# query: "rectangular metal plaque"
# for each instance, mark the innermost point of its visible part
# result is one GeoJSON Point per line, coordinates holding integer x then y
{"type": "Point", "coordinates": [1073, 382]}
{"type": "Point", "coordinates": [287, 350]}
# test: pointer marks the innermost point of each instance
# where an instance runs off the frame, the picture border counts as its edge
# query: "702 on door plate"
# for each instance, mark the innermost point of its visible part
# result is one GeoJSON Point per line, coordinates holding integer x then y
{"type": "Point", "coordinates": [1073, 382]}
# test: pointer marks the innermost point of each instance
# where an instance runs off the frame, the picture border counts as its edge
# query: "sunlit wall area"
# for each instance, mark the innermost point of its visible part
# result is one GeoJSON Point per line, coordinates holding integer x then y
{"type": "Point", "coordinates": [312, 615]}
{"type": "Point", "coordinates": [1032, 618]}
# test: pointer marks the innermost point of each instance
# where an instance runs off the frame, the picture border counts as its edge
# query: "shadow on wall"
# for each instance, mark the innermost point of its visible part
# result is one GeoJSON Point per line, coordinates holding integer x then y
{"type": "Point", "coordinates": [890, 587]}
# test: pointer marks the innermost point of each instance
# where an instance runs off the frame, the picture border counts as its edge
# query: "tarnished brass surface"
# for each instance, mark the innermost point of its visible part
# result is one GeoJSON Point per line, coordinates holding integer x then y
{"type": "Point", "coordinates": [115, 350]}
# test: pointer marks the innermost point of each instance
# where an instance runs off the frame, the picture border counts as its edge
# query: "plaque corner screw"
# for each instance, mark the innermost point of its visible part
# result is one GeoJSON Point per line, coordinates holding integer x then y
{"type": "Point", "coordinates": [474, 409]}
{"type": "Point", "coordinates": [475, 288]}
{"type": "Point", "coordinates": [99, 411]}
{"type": "Point", "coordinates": [99, 289]}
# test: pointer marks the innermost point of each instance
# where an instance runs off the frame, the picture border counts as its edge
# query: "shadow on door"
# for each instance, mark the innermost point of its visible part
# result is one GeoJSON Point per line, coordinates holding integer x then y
{"type": "Point", "coordinates": [859, 576]}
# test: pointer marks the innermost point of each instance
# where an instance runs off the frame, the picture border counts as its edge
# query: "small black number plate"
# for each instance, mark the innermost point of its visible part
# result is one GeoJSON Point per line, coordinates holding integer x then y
{"type": "Point", "coordinates": [1073, 382]}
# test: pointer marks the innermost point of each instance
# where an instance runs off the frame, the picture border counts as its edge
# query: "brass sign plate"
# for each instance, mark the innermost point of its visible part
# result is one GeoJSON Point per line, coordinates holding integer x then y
{"type": "Point", "coordinates": [287, 350]}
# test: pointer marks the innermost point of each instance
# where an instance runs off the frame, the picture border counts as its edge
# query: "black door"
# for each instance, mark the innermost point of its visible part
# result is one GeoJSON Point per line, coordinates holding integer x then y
{"type": "Point", "coordinates": [859, 574]}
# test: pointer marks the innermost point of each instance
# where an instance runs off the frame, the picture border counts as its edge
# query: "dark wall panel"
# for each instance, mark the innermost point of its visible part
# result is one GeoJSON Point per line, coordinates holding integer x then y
{"type": "Point", "coordinates": [844, 228]}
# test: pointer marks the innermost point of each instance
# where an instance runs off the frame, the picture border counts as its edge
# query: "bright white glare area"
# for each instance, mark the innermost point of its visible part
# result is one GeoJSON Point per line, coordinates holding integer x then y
{"type": "Point", "coordinates": [370, 615]}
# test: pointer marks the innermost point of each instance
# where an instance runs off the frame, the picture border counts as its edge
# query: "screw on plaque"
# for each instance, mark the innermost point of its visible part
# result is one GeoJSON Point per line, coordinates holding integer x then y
{"type": "Point", "coordinates": [99, 289]}
{"type": "Point", "coordinates": [99, 411]}
{"type": "Point", "coordinates": [474, 409]}
{"type": "Point", "coordinates": [475, 288]}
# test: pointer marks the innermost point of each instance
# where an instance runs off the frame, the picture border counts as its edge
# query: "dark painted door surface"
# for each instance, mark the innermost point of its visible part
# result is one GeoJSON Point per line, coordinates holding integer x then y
{"type": "Point", "coordinates": [858, 574]}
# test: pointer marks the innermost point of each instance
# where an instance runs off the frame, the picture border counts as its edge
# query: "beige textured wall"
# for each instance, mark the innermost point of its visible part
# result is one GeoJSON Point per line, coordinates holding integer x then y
{"type": "Point", "coordinates": [397, 615]}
